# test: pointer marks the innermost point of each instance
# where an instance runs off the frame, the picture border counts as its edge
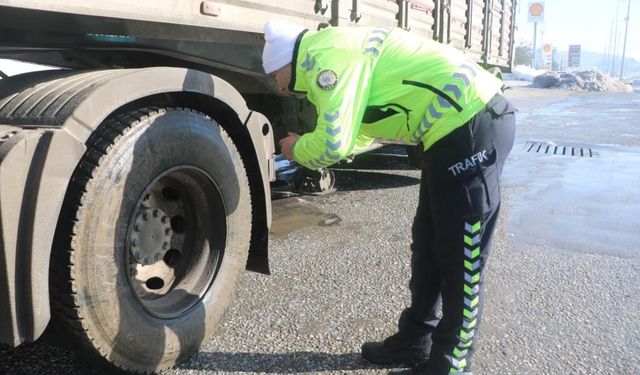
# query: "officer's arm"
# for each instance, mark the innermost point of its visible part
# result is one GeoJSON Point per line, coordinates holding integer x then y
{"type": "Point", "coordinates": [340, 107]}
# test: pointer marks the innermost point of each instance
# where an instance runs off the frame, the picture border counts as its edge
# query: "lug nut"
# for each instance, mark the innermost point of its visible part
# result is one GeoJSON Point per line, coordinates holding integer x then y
{"type": "Point", "coordinates": [155, 212]}
{"type": "Point", "coordinates": [164, 219]}
{"type": "Point", "coordinates": [168, 232]}
{"type": "Point", "coordinates": [136, 227]}
{"type": "Point", "coordinates": [165, 246]}
{"type": "Point", "coordinates": [134, 272]}
{"type": "Point", "coordinates": [158, 256]}
{"type": "Point", "coordinates": [145, 216]}
{"type": "Point", "coordinates": [134, 242]}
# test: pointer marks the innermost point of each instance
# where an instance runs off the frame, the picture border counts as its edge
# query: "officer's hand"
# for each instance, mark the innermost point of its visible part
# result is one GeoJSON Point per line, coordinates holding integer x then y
{"type": "Point", "coordinates": [286, 145]}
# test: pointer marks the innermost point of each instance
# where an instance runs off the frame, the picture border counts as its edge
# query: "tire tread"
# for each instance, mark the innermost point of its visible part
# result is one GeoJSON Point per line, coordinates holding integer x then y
{"type": "Point", "coordinates": [64, 296]}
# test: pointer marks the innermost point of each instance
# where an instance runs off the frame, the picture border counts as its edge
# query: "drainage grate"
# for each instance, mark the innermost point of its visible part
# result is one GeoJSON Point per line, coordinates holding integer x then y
{"type": "Point", "coordinates": [555, 149]}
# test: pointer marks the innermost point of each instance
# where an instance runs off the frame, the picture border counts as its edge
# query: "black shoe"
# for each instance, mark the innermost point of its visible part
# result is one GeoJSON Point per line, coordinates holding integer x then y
{"type": "Point", "coordinates": [394, 351]}
{"type": "Point", "coordinates": [424, 369]}
{"type": "Point", "coordinates": [417, 371]}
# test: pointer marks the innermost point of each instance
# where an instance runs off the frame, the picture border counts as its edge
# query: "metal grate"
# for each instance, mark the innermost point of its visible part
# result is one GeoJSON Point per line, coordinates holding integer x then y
{"type": "Point", "coordinates": [555, 149]}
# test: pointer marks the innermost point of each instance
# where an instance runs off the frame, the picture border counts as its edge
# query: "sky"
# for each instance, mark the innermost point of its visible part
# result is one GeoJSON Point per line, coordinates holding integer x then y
{"type": "Point", "coordinates": [585, 22]}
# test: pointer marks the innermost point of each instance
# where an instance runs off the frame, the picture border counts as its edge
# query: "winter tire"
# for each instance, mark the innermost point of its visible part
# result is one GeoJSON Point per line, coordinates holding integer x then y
{"type": "Point", "coordinates": [154, 236]}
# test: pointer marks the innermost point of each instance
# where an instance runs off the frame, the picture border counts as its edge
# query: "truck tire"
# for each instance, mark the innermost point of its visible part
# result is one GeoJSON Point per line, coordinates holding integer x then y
{"type": "Point", "coordinates": [153, 237]}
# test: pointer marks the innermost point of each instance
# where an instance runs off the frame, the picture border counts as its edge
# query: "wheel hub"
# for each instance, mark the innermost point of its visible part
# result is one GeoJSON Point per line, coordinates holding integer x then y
{"type": "Point", "coordinates": [151, 235]}
{"type": "Point", "coordinates": [176, 239]}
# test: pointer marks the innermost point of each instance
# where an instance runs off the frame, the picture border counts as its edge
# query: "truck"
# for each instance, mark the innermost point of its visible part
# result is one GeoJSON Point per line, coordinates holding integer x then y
{"type": "Point", "coordinates": [136, 176]}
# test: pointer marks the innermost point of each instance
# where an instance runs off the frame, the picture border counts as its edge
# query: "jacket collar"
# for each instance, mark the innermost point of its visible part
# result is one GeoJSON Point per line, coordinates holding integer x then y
{"type": "Point", "coordinates": [294, 62]}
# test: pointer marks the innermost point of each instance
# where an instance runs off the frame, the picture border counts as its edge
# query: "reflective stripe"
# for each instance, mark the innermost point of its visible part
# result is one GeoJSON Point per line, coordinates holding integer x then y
{"type": "Point", "coordinates": [472, 278]}
{"type": "Point", "coordinates": [309, 63]}
{"type": "Point", "coordinates": [465, 345]}
{"type": "Point", "coordinates": [422, 129]}
{"type": "Point", "coordinates": [333, 131]}
{"type": "Point", "coordinates": [471, 290]}
{"type": "Point", "coordinates": [471, 298]}
{"type": "Point", "coordinates": [471, 302]}
{"type": "Point", "coordinates": [332, 117]}
{"type": "Point", "coordinates": [471, 254]}
{"type": "Point", "coordinates": [459, 353]}
{"type": "Point", "coordinates": [472, 228]}
{"type": "Point", "coordinates": [331, 155]}
{"type": "Point", "coordinates": [443, 102]}
{"type": "Point", "coordinates": [471, 67]}
{"type": "Point", "coordinates": [439, 92]}
{"type": "Point", "coordinates": [470, 314]}
{"type": "Point", "coordinates": [472, 241]}
{"type": "Point", "coordinates": [372, 50]}
{"type": "Point", "coordinates": [459, 364]}
{"type": "Point", "coordinates": [466, 335]}
{"type": "Point", "coordinates": [334, 145]}
{"type": "Point", "coordinates": [375, 42]}
{"type": "Point", "coordinates": [433, 112]}
{"type": "Point", "coordinates": [470, 324]}
{"type": "Point", "coordinates": [455, 90]}
{"type": "Point", "coordinates": [305, 63]}
{"type": "Point", "coordinates": [472, 266]}
{"type": "Point", "coordinates": [463, 77]}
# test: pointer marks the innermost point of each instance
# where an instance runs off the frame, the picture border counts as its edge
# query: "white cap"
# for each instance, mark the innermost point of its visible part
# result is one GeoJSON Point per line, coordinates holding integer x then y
{"type": "Point", "coordinates": [280, 39]}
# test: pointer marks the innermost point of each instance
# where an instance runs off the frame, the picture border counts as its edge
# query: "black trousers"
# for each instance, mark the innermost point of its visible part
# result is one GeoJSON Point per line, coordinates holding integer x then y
{"type": "Point", "coordinates": [455, 220]}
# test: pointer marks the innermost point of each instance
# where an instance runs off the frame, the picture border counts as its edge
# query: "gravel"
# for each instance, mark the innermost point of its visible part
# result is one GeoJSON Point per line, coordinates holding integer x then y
{"type": "Point", "coordinates": [337, 283]}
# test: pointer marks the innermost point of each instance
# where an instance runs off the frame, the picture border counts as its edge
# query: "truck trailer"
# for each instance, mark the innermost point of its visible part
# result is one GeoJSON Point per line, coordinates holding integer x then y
{"type": "Point", "coordinates": [135, 177]}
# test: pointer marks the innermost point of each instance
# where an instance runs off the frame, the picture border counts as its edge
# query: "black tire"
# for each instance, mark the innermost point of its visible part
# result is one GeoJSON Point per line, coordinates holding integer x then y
{"type": "Point", "coordinates": [140, 313]}
{"type": "Point", "coordinates": [414, 154]}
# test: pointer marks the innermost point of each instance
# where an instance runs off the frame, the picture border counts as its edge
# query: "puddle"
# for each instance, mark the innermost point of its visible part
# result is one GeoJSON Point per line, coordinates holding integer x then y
{"type": "Point", "coordinates": [292, 214]}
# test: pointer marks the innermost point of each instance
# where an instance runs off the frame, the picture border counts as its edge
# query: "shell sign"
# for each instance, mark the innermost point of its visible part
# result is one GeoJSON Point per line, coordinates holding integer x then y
{"type": "Point", "coordinates": [536, 11]}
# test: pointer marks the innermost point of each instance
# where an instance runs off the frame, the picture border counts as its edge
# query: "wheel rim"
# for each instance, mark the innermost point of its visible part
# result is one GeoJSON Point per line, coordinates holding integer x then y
{"type": "Point", "coordinates": [175, 241]}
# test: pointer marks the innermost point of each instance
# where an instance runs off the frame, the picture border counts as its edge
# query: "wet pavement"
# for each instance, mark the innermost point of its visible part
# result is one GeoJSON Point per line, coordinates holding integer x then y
{"type": "Point", "coordinates": [561, 290]}
{"type": "Point", "coordinates": [583, 204]}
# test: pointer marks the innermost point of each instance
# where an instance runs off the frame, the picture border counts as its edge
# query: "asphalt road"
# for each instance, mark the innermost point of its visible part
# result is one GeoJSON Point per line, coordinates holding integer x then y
{"type": "Point", "coordinates": [562, 294]}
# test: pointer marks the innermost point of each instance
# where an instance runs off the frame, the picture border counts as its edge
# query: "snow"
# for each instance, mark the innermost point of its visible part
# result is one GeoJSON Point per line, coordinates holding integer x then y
{"type": "Point", "coordinates": [585, 80]}
{"type": "Point", "coordinates": [525, 73]}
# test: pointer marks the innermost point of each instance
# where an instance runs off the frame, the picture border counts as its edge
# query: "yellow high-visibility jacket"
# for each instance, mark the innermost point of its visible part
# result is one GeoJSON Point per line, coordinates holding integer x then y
{"type": "Point", "coordinates": [375, 83]}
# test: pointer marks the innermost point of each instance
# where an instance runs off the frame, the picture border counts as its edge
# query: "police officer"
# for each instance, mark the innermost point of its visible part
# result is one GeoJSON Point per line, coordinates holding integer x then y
{"type": "Point", "coordinates": [378, 83]}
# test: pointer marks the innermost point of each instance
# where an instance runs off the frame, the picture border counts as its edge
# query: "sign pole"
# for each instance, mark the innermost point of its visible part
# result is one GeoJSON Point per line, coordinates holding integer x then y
{"type": "Point", "coordinates": [615, 41]}
{"type": "Point", "coordinates": [624, 45]}
{"type": "Point", "coordinates": [536, 14]}
{"type": "Point", "coordinates": [535, 36]}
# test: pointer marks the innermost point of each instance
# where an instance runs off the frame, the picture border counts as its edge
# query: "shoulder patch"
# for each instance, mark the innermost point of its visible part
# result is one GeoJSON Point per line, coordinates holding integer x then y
{"type": "Point", "coordinates": [327, 79]}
